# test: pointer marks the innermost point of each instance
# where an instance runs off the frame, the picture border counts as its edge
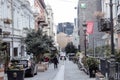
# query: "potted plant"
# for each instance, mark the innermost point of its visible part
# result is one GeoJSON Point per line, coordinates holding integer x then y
{"type": "Point", "coordinates": [2, 73]}
{"type": "Point", "coordinates": [117, 56]}
{"type": "Point", "coordinates": [2, 59]}
{"type": "Point", "coordinates": [92, 64]}
{"type": "Point", "coordinates": [84, 59]}
{"type": "Point", "coordinates": [15, 72]}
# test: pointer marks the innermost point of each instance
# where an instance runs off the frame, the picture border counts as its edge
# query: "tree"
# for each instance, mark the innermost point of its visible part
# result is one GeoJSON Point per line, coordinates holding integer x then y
{"type": "Point", "coordinates": [90, 51]}
{"type": "Point", "coordinates": [106, 50]}
{"type": "Point", "coordinates": [4, 57]}
{"type": "Point", "coordinates": [37, 43]}
{"type": "Point", "coordinates": [70, 48]}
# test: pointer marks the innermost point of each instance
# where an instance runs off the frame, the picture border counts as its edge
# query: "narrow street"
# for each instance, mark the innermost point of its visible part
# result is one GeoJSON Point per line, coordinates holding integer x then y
{"type": "Point", "coordinates": [67, 71]}
{"type": "Point", "coordinates": [35, 32]}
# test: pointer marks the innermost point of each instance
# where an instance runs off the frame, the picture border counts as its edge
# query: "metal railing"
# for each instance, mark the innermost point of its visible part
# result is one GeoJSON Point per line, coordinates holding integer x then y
{"type": "Point", "coordinates": [110, 69]}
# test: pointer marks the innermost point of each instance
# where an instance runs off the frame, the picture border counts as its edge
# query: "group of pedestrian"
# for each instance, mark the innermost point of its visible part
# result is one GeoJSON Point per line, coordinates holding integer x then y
{"type": "Point", "coordinates": [53, 60]}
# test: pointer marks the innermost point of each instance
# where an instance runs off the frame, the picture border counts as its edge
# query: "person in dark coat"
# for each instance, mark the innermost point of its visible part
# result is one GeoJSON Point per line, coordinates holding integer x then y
{"type": "Point", "coordinates": [55, 62]}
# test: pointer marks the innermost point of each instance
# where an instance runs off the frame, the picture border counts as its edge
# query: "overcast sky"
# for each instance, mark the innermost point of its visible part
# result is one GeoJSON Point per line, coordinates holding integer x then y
{"type": "Point", "coordinates": [64, 10]}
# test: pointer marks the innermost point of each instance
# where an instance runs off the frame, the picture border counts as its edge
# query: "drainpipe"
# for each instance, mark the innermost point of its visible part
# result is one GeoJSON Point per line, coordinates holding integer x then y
{"type": "Point", "coordinates": [12, 38]}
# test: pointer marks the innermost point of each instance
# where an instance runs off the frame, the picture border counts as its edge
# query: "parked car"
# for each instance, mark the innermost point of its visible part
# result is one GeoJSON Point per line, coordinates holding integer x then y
{"type": "Point", "coordinates": [71, 56]}
{"type": "Point", "coordinates": [28, 64]}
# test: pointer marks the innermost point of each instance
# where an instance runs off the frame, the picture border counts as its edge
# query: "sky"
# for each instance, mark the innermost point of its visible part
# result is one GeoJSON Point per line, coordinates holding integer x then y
{"type": "Point", "coordinates": [63, 10]}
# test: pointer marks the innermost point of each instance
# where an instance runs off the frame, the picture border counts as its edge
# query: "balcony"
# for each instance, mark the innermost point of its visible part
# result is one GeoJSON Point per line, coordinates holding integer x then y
{"type": "Point", "coordinates": [7, 21]}
{"type": "Point", "coordinates": [43, 21]}
{"type": "Point", "coordinates": [44, 24]}
{"type": "Point", "coordinates": [6, 33]}
{"type": "Point", "coordinates": [104, 25]}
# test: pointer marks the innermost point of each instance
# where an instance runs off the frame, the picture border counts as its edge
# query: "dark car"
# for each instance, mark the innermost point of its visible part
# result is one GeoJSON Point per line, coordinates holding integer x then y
{"type": "Point", "coordinates": [28, 64]}
{"type": "Point", "coordinates": [71, 56]}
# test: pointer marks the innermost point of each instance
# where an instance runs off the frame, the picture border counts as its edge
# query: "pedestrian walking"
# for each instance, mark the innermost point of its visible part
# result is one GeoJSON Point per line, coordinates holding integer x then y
{"type": "Point", "coordinates": [55, 62]}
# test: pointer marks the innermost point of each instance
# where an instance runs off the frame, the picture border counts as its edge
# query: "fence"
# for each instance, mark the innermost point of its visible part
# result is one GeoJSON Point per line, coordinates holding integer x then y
{"type": "Point", "coordinates": [111, 69]}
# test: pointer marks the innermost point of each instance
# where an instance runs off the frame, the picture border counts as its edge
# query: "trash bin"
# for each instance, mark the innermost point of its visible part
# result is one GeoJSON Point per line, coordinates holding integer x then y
{"type": "Point", "coordinates": [16, 74]}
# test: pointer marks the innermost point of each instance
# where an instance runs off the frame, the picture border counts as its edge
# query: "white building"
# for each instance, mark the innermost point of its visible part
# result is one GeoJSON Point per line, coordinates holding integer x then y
{"type": "Point", "coordinates": [118, 24]}
{"type": "Point", "coordinates": [106, 8]}
{"type": "Point", "coordinates": [52, 28]}
{"type": "Point", "coordinates": [106, 11]}
{"type": "Point", "coordinates": [20, 16]}
{"type": "Point", "coordinates": [49, 28]}
{"type": "Point", "coordinates": [75, 35]}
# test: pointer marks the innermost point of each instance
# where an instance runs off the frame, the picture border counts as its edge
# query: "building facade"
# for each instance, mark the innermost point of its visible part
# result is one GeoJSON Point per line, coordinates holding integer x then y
{"type": "Point", "coordinates": [15, 16]}
{"type": "Point", "coordinates": [52, 28]}
{"type": "Point", "coordinates": [18, 15]}
{"type": "Point", "coordinates": [41, 18]}
{"type": "Point", "coordinates": [106, 11]}
{"type": "Point", "coordinates": [85, 12]}
{"type": "Point", "coordinates": [75, 35]}
{"type": "Point", "coordinates": [63, 39]}
{"type": "Point", "coordinates": [65, 27]}
{"type": "Point", "coordinates": [117, 27]}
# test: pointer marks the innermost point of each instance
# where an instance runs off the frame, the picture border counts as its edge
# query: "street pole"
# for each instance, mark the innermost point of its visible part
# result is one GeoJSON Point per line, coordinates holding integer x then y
{"type": "Point", "coordinates": [84, 29]}
{"type": "Point", "coordinates": [85, 41]}
{"type": "Point", "coordinates": [93, 46]}
{"type": "Point", "coordinates": [112, 60]}
{"type": "Point", "coordinates": [111, 30]}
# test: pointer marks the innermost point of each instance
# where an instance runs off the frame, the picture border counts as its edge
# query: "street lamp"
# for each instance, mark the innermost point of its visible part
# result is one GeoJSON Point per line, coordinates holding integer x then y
{"type": "Point", "coordinates": [84, 29]}
{"type": "Point", "coordinates": [111, 30]}
{"type": "Point", "coordinates": [112, 69]}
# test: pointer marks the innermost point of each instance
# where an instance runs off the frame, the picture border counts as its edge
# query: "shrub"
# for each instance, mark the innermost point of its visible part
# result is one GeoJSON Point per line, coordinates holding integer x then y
{"type": "Point", "coordinates": [92, 62]}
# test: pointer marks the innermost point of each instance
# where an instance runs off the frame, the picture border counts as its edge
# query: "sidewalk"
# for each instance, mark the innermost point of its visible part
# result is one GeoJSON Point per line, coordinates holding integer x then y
{"type": "Point", "coordinates": [73, 73]}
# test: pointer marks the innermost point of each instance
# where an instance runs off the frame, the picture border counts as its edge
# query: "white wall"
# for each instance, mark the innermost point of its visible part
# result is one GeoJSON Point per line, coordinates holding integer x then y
{"type": "Point", "coordinates": [106, 8]}
{"type": "Point", "coordinates": [22, 17]}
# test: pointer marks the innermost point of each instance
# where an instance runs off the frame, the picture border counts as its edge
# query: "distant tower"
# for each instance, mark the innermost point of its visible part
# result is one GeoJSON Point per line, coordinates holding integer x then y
{"type": "Point", "coordinates": [65, 27]}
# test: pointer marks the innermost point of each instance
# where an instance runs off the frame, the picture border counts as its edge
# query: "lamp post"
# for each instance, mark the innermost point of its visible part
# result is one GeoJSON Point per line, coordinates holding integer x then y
{"type": "Point", "coordinates": [112, 60]}
{"type": "Point", "coordinates": [84, 29]}
{"type": "Point", "coordinates": [111, 30]}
